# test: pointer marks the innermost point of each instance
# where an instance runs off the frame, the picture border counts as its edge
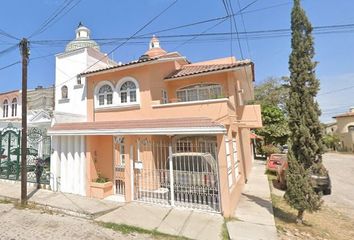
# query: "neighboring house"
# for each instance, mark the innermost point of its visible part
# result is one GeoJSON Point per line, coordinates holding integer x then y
{"type": "Point", "coordinates": [40, 105]}
{"type": "Point", "coordinates": [345, 129]}
{"type": "Point", "coordinates": [330, 128]}
{"type": "Point", "coordinates": [161, 129]}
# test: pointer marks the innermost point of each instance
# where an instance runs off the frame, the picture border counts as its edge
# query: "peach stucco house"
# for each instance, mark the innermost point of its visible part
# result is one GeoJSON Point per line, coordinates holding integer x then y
{"type": "Point", "coordinates": [161, 130]}
{"type": "Point", "coordinates": [344, 128]}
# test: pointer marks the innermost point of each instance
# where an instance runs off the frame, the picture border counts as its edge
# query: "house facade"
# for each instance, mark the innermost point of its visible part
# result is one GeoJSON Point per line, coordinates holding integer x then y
{"type": "Point", "coordinates": [40, 105]}
{"type": "Point", "coordinates": [161, 130]}
{"type": "Point", "coordinates": [345, 130]}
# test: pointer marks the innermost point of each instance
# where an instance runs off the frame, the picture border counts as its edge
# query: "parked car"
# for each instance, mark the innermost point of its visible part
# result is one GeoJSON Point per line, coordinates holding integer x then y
{"type": "Point", "coordinates": [319, 183]}
{"type": "Point", "coordinates": [193, 172]}
{"type": "Point", "coordinates": [274, 161]}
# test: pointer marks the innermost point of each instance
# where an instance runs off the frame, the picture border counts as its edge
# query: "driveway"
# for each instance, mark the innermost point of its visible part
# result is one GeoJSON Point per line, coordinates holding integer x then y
{"type": "Point", "coordinates": [341, 170]}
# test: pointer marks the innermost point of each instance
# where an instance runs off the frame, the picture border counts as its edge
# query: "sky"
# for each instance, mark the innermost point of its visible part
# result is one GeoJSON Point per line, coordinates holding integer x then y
{"type": "Point", "coordinates": [118, 18]}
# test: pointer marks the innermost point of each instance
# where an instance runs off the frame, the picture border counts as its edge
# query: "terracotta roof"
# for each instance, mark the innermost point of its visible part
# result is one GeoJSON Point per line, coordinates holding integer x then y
{"type": "Point", "coordinates": [120, 66]}
{"type": "Point", "coordinates": [127, 125]}
{"type": "Point", "coordinates": [348, 114]}
{"type": "Point", "coordinates": [192, 69]}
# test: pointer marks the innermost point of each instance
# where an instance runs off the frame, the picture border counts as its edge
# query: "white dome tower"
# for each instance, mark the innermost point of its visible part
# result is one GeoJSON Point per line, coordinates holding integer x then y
{"type": "Point", "coordinates": [82, 40]}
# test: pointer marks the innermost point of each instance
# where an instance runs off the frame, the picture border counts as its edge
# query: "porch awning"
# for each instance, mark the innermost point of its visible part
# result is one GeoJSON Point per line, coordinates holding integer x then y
{"type": "Point", "coordinates": [179, 126]}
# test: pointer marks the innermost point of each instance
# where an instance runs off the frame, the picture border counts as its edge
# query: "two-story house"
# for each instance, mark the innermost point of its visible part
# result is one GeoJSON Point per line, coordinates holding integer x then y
{"type": "Point", "coordinates": [161, 130]}
{"type": "Point", "coordinates": [40, 105]}
{"type": "Point", "coordinates": [344, 128]}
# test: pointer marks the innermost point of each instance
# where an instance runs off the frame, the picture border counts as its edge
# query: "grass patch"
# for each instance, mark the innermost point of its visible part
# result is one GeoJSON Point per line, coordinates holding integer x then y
{"type": "Point", "coordinates": [5, 201]}
{"type": "Point", "coordinates": [326, 223]}
{"type": "Point", "coordinates": [126, 229]}
{"type": "Point", "coordinates": [224, 232]}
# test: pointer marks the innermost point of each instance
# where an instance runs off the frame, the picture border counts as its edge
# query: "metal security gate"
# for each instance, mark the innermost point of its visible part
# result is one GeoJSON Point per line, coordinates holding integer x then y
{"type": "Point", "coordinates": [38, 155]}
{"type": "Point", "coordinates": [183, 174]}
{"type": "Point", "coordinates": [9, 159]}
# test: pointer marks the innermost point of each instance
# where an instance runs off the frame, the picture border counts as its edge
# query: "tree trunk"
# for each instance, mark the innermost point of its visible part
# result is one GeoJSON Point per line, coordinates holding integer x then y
{"type": "Point", "coordinates": [300, 217]}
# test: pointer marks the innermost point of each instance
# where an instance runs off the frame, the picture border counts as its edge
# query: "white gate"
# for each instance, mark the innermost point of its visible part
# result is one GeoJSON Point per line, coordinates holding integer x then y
{"type": "Point", "coordinates": [178, 174]}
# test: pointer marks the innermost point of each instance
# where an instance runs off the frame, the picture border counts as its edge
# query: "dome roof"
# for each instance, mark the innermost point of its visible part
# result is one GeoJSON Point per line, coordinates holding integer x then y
{"type": "Point", "coordinates": [154, 48]}
{"type": "Point", "coordinates": [82, 40]}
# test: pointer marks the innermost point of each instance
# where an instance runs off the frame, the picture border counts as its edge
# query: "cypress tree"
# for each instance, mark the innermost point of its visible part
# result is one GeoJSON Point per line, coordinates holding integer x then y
{"type": "Point", "coordinates": [306, 147]}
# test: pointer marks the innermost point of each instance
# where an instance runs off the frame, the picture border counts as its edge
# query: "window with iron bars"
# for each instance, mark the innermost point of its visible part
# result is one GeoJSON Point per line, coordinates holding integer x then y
{"type": "Point", "coordinates": [199, 92]}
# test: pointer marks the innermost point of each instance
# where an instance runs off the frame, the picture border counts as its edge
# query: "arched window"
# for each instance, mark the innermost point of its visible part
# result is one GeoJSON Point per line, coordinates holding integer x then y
{"type": "Point", "coordinates": [351, 128]}
{"type": "Point", "coordinates": [105, 95]}
{"type": "Point", "coordinates": [128, 92]}
{"type": "Point", "coordinates": [14, 107]}
{"type": "Point", "coordinates": [199, 92]}
{"type": "Point", "coordinates": [64, 92]}
{"type": "Point", "coordinates": [5, 108]}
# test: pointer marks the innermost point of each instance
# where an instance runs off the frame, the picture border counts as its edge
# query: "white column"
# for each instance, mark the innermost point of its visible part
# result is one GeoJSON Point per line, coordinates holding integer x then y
{"type": "Point", "coordinates": [77, 160]}
{"type": "Point", "coordinates": [83, 176]}
{"type": "Point", "coordinates": [171, 175]}
{"type": "Point", "coordinates": [63, 163]}
{"type": "Point", "coordinates": [58, 163]}
{"type": "Point", "coordinates": [53, 164]}
{"type": "Point", "coordinates": [131, 172]}
{"type": "Point", "coordinates": [71, 169]}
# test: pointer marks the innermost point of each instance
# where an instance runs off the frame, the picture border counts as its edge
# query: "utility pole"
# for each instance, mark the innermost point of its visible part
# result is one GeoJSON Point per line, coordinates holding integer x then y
{"type": "Point", "coordinates": [24, 52]}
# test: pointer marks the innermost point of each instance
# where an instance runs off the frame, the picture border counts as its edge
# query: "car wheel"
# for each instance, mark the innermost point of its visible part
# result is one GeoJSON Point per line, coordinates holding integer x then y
{"type": "Point", "coordinates": [327, 191]}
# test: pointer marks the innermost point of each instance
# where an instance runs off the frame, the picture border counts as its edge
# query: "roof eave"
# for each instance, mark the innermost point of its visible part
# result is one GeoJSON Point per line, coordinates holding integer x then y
{"type": "Point", "coordinates": [142, 131]}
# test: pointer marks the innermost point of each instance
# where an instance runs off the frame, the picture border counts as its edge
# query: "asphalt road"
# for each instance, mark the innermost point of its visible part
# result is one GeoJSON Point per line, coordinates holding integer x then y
{"type": "Point", "coordinates": [341, 171]}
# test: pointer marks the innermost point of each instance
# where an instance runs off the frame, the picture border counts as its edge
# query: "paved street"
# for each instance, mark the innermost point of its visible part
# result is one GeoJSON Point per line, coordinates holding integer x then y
{"type": "Point", "coordinates": [341, 170]}
{"type": "Point", "coordinates": [34, 224]}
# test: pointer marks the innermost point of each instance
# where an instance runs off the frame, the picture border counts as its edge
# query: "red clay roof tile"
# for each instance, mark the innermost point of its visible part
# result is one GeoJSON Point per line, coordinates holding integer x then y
{"type": "Point", "coordinates": [188, 70]}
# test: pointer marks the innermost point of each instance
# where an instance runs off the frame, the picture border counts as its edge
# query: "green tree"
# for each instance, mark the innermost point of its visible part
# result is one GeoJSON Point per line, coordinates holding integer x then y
{"type": "Point", "coordinates": [273, 92]}
{"type": "Point", "coordinates": [306, 146]}
{"type": "Point", "coordinates": [331, 141]}
{"type": "Point", "coordinates": [275, 125]}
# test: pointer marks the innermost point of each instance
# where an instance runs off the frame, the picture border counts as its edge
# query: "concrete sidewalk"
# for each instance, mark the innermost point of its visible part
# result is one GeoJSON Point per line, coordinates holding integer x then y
{"type": "Point", "coordinates": [254, 214]}
{"type": "Point", "coordinates": [180, 222]}
{"type": "Point", "coordinates": [61, 202]}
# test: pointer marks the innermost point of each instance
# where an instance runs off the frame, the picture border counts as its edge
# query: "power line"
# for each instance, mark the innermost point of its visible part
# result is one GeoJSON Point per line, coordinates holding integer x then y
{"type": "Point", "coordinates": [2, 32]}
{"type": "Point", "coordinates": [200, 34]}
{"type": "Point", "coordinates": [267, 33]}
{"type": "Point", "coordinates": [10, 65]}
{"type": "Point", "coordinates": [336, 90]}
{"type": "Point", "coordinates": [244, 28]}
{"type": "Point", "coordinates": [55, 16]}
{"type": "Point", "coordinates": [148, 35]}
{"type": "Point", "coordinates": [9, 49]}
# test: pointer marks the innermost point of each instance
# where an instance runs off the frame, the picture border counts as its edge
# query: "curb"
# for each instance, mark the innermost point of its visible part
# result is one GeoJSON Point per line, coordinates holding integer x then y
{"type": "Point", "coordinates": [84, 215]}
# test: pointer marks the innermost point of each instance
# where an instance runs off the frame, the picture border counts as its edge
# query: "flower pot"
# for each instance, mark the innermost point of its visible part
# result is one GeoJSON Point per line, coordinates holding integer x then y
{"type": "Point", "coordinates": [101, 190]}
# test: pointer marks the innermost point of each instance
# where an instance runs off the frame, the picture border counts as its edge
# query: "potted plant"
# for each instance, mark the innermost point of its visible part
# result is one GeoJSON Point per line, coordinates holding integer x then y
{"type": "Point", "coordinates": [101, 187]}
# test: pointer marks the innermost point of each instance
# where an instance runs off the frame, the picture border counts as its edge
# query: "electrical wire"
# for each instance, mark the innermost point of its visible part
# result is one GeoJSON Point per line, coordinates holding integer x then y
{"type": "Point", "coordinates": [10, 65]}
{"type": "Point", "coordinates": [9, 49]}
{"type": "Point", "coordinates": [3, 33]}
{"type": "Point", "coordinates": [55, 16]}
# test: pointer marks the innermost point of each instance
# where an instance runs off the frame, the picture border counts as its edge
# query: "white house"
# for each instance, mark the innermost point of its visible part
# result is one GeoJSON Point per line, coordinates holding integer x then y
{"type": "Point", "coordinates": [80, 55]}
